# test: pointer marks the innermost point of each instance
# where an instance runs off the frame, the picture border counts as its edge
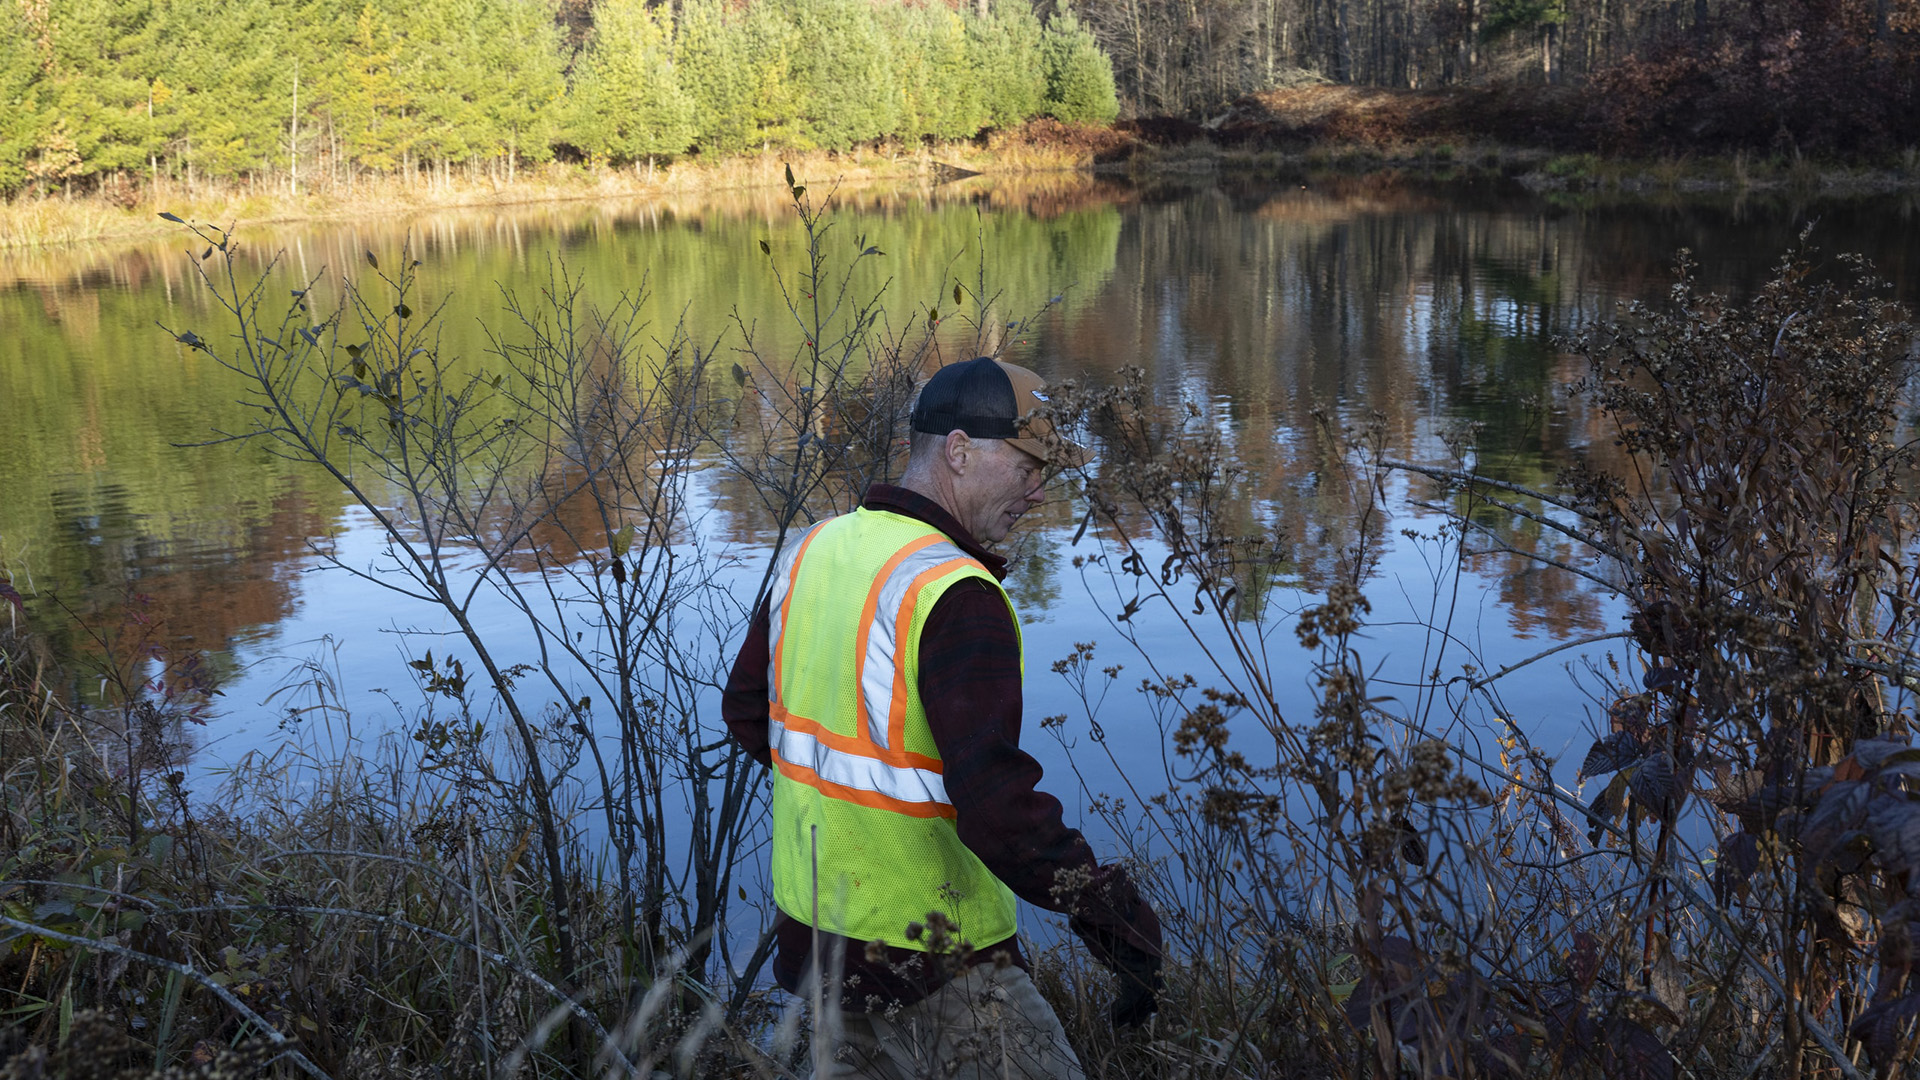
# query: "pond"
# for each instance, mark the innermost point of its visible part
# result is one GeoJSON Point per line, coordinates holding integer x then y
{"type": "Point", "coordinates": [1422, 304]}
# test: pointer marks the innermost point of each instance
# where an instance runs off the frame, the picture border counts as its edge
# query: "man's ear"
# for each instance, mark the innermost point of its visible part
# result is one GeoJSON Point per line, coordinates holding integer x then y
{"type": "Point", "coordinates": [960, 450]}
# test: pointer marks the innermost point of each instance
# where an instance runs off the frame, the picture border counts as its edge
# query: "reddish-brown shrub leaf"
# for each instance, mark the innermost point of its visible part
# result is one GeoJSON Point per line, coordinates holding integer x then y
{"type": "Point", "coordinates": [1611, 754]}
{"type": "Point", "coordinates": [1662, 678]}
{"type": "Point", "coordinates": [1631, 1052]}
{"type": "Point", "coordinates": [1873, 753]}
{"type": "Point", "coordinates": [1630, 713]}
{"type": "Point", "coordinates": [1839, 811]}
{"type": "Point", "coordinates": [1583, 961]}
{"type": "Point", "coordinates": [1814, 780]}
{"type": "Point", "coordinates": [1738, 858]}
{"type": "Point", "coordinates": [1850, 854]}
{"type": "Point", "coordinates": [1894, 823]}
{"type": "Point", "coordinates": [1887, 1026]}
{"type": "Point", "coordinates": [1655, 784]}
{"type": "Point", "coordinates": [1662, 628]}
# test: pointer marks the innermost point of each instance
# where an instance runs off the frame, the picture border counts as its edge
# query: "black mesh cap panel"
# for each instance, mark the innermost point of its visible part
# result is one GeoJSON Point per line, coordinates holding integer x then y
{"type": "Point", "coordinates": [975, 396]}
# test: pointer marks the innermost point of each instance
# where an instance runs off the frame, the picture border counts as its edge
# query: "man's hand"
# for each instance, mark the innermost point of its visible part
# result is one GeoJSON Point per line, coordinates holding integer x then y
{"type": "Point", "coordinates": [1140, 986]}
{"type": "Point", "coordinates": [1123, 933]}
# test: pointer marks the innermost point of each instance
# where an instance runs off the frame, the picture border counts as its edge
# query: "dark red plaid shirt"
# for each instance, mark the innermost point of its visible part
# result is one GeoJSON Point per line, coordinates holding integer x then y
{"type": "Point", "coordinates": [970, 689]}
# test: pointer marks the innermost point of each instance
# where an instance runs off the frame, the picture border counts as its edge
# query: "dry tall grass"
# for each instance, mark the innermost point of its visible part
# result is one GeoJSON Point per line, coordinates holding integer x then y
{"type": "Point", "coordinates": [351, 916]}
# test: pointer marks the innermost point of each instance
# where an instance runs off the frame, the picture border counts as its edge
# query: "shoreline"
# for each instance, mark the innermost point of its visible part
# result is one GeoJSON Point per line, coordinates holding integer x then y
{"type": "Point", "coordinates": [1539, 170]}
{"type": "Point", "coordinates": [1100, 153]}
{"type": "Point", "coordinates": [54, 222]}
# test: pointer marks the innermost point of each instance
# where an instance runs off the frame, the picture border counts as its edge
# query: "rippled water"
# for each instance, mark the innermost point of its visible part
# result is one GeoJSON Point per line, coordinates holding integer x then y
{"type": "Point", "coordinates": [1424, 304]}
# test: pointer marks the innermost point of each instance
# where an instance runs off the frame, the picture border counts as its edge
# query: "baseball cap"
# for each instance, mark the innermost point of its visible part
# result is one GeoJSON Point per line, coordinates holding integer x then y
{"type": "Point", "coordinates": [991, 399]}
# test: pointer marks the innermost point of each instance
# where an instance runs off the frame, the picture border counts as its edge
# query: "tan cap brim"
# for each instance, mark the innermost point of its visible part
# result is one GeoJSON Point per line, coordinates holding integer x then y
{"type": "Point", "coordinates": [1059, 453]}
{"type": "Point", "coordinates": [1037, 433]}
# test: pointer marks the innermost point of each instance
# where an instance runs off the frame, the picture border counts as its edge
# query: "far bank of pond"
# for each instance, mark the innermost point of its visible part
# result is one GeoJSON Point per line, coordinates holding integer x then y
{"type": "Point", "coordinates": [1043, 147]}
{"type": "Point", "coordinates": [1145, 151]}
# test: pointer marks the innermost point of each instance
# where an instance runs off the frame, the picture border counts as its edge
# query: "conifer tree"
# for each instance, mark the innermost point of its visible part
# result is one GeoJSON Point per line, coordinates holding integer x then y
{"type": "Point", "coordinates": [1079, 76]}
{"type": "Point", "coordinates": [1004, 46]}
{"type": "Point", "coordinates": [91, 101]}
{"type": "Point", "coordinates": [322, 53]}
{"type": "Point", "coordinates": [772, 42]}
{"type": "Point", "coordinates": [523, 86]}
{"type": "Point", "coordinates": [485, 78]}
{"type": "Point", "coordinates": [367, 96]}
{"type": "Point", "coordinates": [92, 90]}
{"type": "Point", "coordinates": [718, 75]}
{"type": "Point", "coordinates": [439, 61]}
{"type": "Point", "coordinates": [842, 77]}
{"type": "Point", "coordinates": [227, 84]}
{"type": "Point", "coordinates": [627, 101]}
{"type": "Point", "coordinates": [940, 94]}
{"type": "Point", "coordinates": [21, 121]}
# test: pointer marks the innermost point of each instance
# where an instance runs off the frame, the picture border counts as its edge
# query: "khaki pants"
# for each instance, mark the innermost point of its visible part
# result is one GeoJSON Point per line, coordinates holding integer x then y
{"type": "Point", "coordinates": [987, 1024]}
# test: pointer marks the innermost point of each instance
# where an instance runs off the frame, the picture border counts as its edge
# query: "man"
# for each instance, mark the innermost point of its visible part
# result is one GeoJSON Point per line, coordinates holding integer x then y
{"type": "Point", "coordinates": [882, 682]}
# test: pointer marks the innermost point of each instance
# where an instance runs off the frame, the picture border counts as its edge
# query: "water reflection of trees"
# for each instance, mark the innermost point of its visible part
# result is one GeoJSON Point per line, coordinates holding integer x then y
{"type": "Point", "coordinates": [1260, 301]}
{"type": "Point", "coordinates": [190, 594]}
{"type": "Point", "coordinates": [100, 400]}
{"type": "Point", "coordinates": [1382, 305]}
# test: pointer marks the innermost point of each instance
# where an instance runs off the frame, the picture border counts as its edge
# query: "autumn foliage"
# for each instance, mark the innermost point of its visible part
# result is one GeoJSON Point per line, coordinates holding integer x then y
{"type": "Point", "coordinates": [1808, 76]}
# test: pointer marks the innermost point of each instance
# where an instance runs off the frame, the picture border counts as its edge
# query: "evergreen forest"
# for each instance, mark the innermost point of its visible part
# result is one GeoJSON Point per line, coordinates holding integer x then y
{"type": "Point", "coordinates": [106, 95]}
{"type": "Point", "coordinates": [121, 98]}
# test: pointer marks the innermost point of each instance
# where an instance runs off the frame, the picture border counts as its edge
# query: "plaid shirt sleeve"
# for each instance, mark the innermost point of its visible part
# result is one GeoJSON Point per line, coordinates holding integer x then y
{"type": "Point", "coordinates": [970, 688]}
{"type": "Point", "coordinates": [743, 704]}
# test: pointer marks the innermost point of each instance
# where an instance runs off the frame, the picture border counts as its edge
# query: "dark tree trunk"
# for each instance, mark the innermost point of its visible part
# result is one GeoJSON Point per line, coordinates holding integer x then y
{"type": "Point", "coordinates": [1342, 42]}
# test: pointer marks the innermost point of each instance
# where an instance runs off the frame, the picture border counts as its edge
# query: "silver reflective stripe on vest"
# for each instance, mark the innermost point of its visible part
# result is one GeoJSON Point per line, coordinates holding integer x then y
{"type": "Point", "coordinates": [854, 771]}
{"type": "Point", "coordinates": [777, 599]}
{"type": "Point", "coordinates": [881, 667]}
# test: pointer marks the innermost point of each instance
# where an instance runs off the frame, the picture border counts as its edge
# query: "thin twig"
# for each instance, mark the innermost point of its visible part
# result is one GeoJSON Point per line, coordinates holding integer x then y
{"type": "Point", "coordinates": [1542, 655]}
{"type": "Point", "coordinates": [1475, 478]}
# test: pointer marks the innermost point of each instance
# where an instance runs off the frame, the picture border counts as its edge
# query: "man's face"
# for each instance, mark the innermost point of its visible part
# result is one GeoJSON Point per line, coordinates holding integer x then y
{"type": "Point", "coordinates": [1004, 482]}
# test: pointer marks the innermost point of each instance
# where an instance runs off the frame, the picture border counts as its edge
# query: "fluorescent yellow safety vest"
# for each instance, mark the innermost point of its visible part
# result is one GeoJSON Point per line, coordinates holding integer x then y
{"type": "Point", "coordinates": [863, 832]}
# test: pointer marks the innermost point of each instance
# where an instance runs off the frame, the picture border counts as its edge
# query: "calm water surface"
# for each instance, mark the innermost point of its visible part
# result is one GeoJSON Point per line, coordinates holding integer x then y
{"type": "Point", "coordinates": [1426, 304]}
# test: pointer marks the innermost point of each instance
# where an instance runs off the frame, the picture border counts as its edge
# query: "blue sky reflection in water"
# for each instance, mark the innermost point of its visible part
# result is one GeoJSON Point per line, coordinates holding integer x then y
{"type": "Point", "coordinates": [1424, 306]}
